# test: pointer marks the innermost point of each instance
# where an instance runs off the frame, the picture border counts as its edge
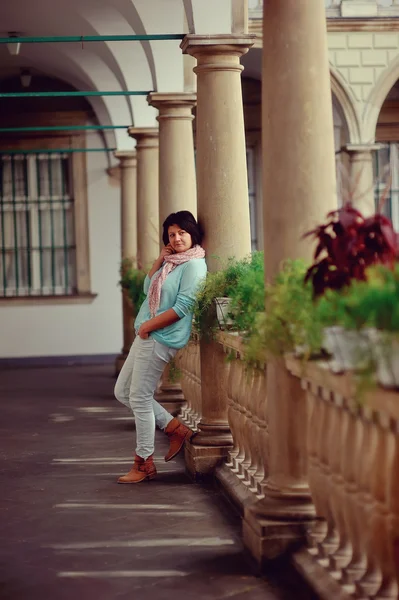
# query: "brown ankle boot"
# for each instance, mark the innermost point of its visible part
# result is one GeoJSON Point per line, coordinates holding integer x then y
{"type": "Point", "coordinates": [141, 470]}
{"type": "Point", "coordinates": [178, 434]}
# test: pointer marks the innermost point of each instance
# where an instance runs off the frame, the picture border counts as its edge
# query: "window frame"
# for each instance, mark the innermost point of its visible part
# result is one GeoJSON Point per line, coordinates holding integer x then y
{"type": "Point", "coordinates": [78, 166]}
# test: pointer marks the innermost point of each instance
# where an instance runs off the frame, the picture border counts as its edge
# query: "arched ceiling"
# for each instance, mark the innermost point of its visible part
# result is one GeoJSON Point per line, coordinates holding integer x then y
{"type": "Point", "coordinates": [108, 66]}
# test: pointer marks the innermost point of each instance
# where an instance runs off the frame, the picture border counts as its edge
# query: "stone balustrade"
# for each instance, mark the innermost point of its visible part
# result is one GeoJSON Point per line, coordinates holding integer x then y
{"type": "Point", "coordinates": [247, 466]}
{"type": "Point", "coordinates": [351, 550]}
{"type": "Point", "coordinates": [188, 362]}
{"type": "Point", "coordinates": [353, 474]}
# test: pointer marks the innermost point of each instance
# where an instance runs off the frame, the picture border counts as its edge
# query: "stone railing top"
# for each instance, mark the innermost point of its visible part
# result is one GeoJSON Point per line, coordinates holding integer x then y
{"type": "Point", "coordinates": [341, 389]}
{"type": "Point", "coordinates": [343, 8]}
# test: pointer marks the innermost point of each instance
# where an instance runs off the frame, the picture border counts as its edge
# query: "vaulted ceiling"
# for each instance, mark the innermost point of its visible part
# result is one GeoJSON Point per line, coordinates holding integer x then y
{"type": "Point", "coordinates": [109, 66]}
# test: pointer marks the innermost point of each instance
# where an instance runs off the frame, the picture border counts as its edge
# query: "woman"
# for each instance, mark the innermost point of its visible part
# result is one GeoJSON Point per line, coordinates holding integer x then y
{"type": "Point", "coordinates": [162, 326]}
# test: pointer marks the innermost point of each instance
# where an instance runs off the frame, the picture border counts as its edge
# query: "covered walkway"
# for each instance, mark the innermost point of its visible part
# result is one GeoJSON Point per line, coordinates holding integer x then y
{"type": "Point", "coordinates": [70, 532]}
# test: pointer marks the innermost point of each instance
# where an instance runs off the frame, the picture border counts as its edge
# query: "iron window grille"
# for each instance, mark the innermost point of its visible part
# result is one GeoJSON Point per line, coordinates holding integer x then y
{"type": "Point", "coordinates": [37, 235]}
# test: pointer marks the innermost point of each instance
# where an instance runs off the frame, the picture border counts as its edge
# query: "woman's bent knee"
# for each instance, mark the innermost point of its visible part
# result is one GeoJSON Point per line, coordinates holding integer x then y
{"type": "Point", "coordinates": [119, 393]}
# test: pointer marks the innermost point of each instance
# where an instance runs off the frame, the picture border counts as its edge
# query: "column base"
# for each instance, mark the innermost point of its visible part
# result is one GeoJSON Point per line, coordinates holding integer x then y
{"type": "Point", "coordinates": [201, 461]}
{"type": "Point", "coordinates": [278, 523]}
{"type": "Point", "coordinates": [268, 539]}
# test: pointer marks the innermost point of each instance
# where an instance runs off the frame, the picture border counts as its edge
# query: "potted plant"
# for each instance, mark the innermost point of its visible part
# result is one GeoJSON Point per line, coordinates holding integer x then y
{"type": "Point", "coordinates": [344, 321]}
{"type": "Point", "coordinates": [378, 298]}
{"type": "Point", "coordinates": [213, 306]}
{"type": "Point", "coordinates": [288, 324]}
{"type": "Point", "coordinates": [347, 244]}
{"type": "Point", "coordinates": [247, 297]}
{"type": "Point", "coordinates": [132, 282]}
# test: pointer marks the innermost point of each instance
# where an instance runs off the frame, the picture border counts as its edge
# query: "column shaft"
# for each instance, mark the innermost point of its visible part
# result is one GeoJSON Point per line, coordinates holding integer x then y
{"type": "Point", "coordinates": [177, 185]}
{"type": "Point", "coordinates": [299, 185]}
{"type": "Point", "coordinates": [222, 186]}
{"type": "Point", "coordinates": [128, 182]}
{"type": "Point", "coordinates": [147, 195]}
{"type": "Point", "coordinates": [299, 188]}
{"type": "Point", "coordinates": [223, 209]}
{"type": "Point", "coordinates": [177, 190]}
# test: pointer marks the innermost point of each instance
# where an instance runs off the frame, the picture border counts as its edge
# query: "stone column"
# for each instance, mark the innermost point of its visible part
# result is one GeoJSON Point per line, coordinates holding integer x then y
{"type": "Point", "coordinates": [177, 185]}
{"type": "Point", "coordinates": [299, 188]}
{"type": "Point", "coordinates": [222, 186]}
{"type": "Point", "coordinates": [177, 191]}
{"type": "Point", "coordinates": [128, 182]}
{"type": "Point", "coordinates": [147, 195]}
{"type": "Point", "coordinates": [223, 209]}
{"type": "Point", "coordinates": [362, 176]}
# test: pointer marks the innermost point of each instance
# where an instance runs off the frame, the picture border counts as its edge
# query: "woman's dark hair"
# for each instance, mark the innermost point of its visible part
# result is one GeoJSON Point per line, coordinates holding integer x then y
{"type": "Point", "coordinates": [185, 220]}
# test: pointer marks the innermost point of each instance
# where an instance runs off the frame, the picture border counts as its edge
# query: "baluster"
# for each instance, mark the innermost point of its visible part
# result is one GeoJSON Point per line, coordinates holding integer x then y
{"type": "Point", "coordinates": [264, 431]}
{"type": "Point", "coordinates": [187, 363]}
{"type": "Point", "coordinates": [253, 428]}
{"type": "Point", "coordinates": [240, 419]}
{"type": "Point", "coordinates": [257, 470]}
{"type": "Point", "coordinates": [330, 542]}
{"type": "Point", "coordinates": [371, 579]}
{"type": "Point", "coordinates": [356, 470]}
{"type": "Point", "coordinates": [247, 421]}
{"type": "Point", "coordinates": [381, 540]}
{"type": "Point", "coordinates": [197, 384]}
{"type": "Point", "coordinates": [181, 362]}
{"type": "Point", "coordinates": [316, 418]}
{"type": "Point", "coordinates": [233, 380]}
{"type": "Point", "coordinates": [342, 452]}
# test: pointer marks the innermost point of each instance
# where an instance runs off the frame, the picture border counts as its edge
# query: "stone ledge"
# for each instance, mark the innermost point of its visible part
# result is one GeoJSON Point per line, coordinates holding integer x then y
{"type": "Point", "coordinates": [319, 579]}
{"type": "Point", "coordinates": [236, 492]}
{"type": "Point", "coordinates": [45, 300]}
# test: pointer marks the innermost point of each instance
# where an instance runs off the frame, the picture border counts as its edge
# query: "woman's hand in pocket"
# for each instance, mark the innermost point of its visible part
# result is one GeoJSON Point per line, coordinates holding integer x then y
{"type": "Point", "coordinates": [143, 331]}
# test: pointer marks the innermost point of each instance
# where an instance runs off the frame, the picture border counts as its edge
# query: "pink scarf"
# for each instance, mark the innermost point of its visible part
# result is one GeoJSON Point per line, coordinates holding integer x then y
{"type": "Point", "coordinates": [171, 262]}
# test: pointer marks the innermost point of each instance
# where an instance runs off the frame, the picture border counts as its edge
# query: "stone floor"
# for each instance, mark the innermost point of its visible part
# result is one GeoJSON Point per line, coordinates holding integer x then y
{"type": "Point", "coordinates": [69, 532]}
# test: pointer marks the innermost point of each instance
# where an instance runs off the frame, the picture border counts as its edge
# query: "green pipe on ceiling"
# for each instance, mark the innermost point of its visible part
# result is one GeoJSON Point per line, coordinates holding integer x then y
{"type": "Point", "coordinates": [62, 128]}
{"type": "Point", "coordinates": [93, 38]}
{"type": "Point", "coordinates": [69, 94]}
{"type": "Point", "coordinates": [57, 151]}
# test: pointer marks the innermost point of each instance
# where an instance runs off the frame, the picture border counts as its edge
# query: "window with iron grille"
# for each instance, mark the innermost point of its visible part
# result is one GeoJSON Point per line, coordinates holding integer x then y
{"type": "Point", "coordinates": [386, 166]}
{"type": "Point", "coordinates": [37, 233]}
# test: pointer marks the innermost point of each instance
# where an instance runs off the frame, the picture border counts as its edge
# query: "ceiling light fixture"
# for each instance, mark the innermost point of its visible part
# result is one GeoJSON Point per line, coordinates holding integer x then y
{"type": "Point", "coordinates": [13, 47]}
{"type": "Point", "coordinates": [26, 77]}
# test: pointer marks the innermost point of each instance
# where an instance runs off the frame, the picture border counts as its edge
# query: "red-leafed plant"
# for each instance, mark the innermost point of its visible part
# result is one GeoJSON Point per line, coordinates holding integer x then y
{"type": "Point", "coordinates": [347, 244]}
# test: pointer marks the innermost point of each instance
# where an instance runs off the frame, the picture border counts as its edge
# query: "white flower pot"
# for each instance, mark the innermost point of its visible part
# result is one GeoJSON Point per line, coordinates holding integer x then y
{"type": "Point", "coordinates": [222, 312]}
{"type": "Point", "coordinates": [386, 355]}
{"type": "Point", "coordinates": [349, 349]}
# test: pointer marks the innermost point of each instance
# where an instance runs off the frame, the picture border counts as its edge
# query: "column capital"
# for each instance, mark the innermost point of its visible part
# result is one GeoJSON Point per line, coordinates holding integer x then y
{"type": "Point", "coordinates": [146, 137]}
{"type": "Point", "coordinates": [127, 158]}
{"type": "Point", "coordinates": [229, 43]}
{"type": "Point", "coordinates": [173, 105]}
{"type": "Point", "coordinates": [362, 148]}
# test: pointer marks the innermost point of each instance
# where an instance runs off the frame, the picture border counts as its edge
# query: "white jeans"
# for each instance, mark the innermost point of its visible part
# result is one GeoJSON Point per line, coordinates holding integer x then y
{"type": "Point", "coordinates": [135, 389]}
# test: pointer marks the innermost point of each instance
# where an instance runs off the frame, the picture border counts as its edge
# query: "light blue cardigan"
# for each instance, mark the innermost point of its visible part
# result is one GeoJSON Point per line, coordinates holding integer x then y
{"type": "Point", "coordinates": [178, 292]}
